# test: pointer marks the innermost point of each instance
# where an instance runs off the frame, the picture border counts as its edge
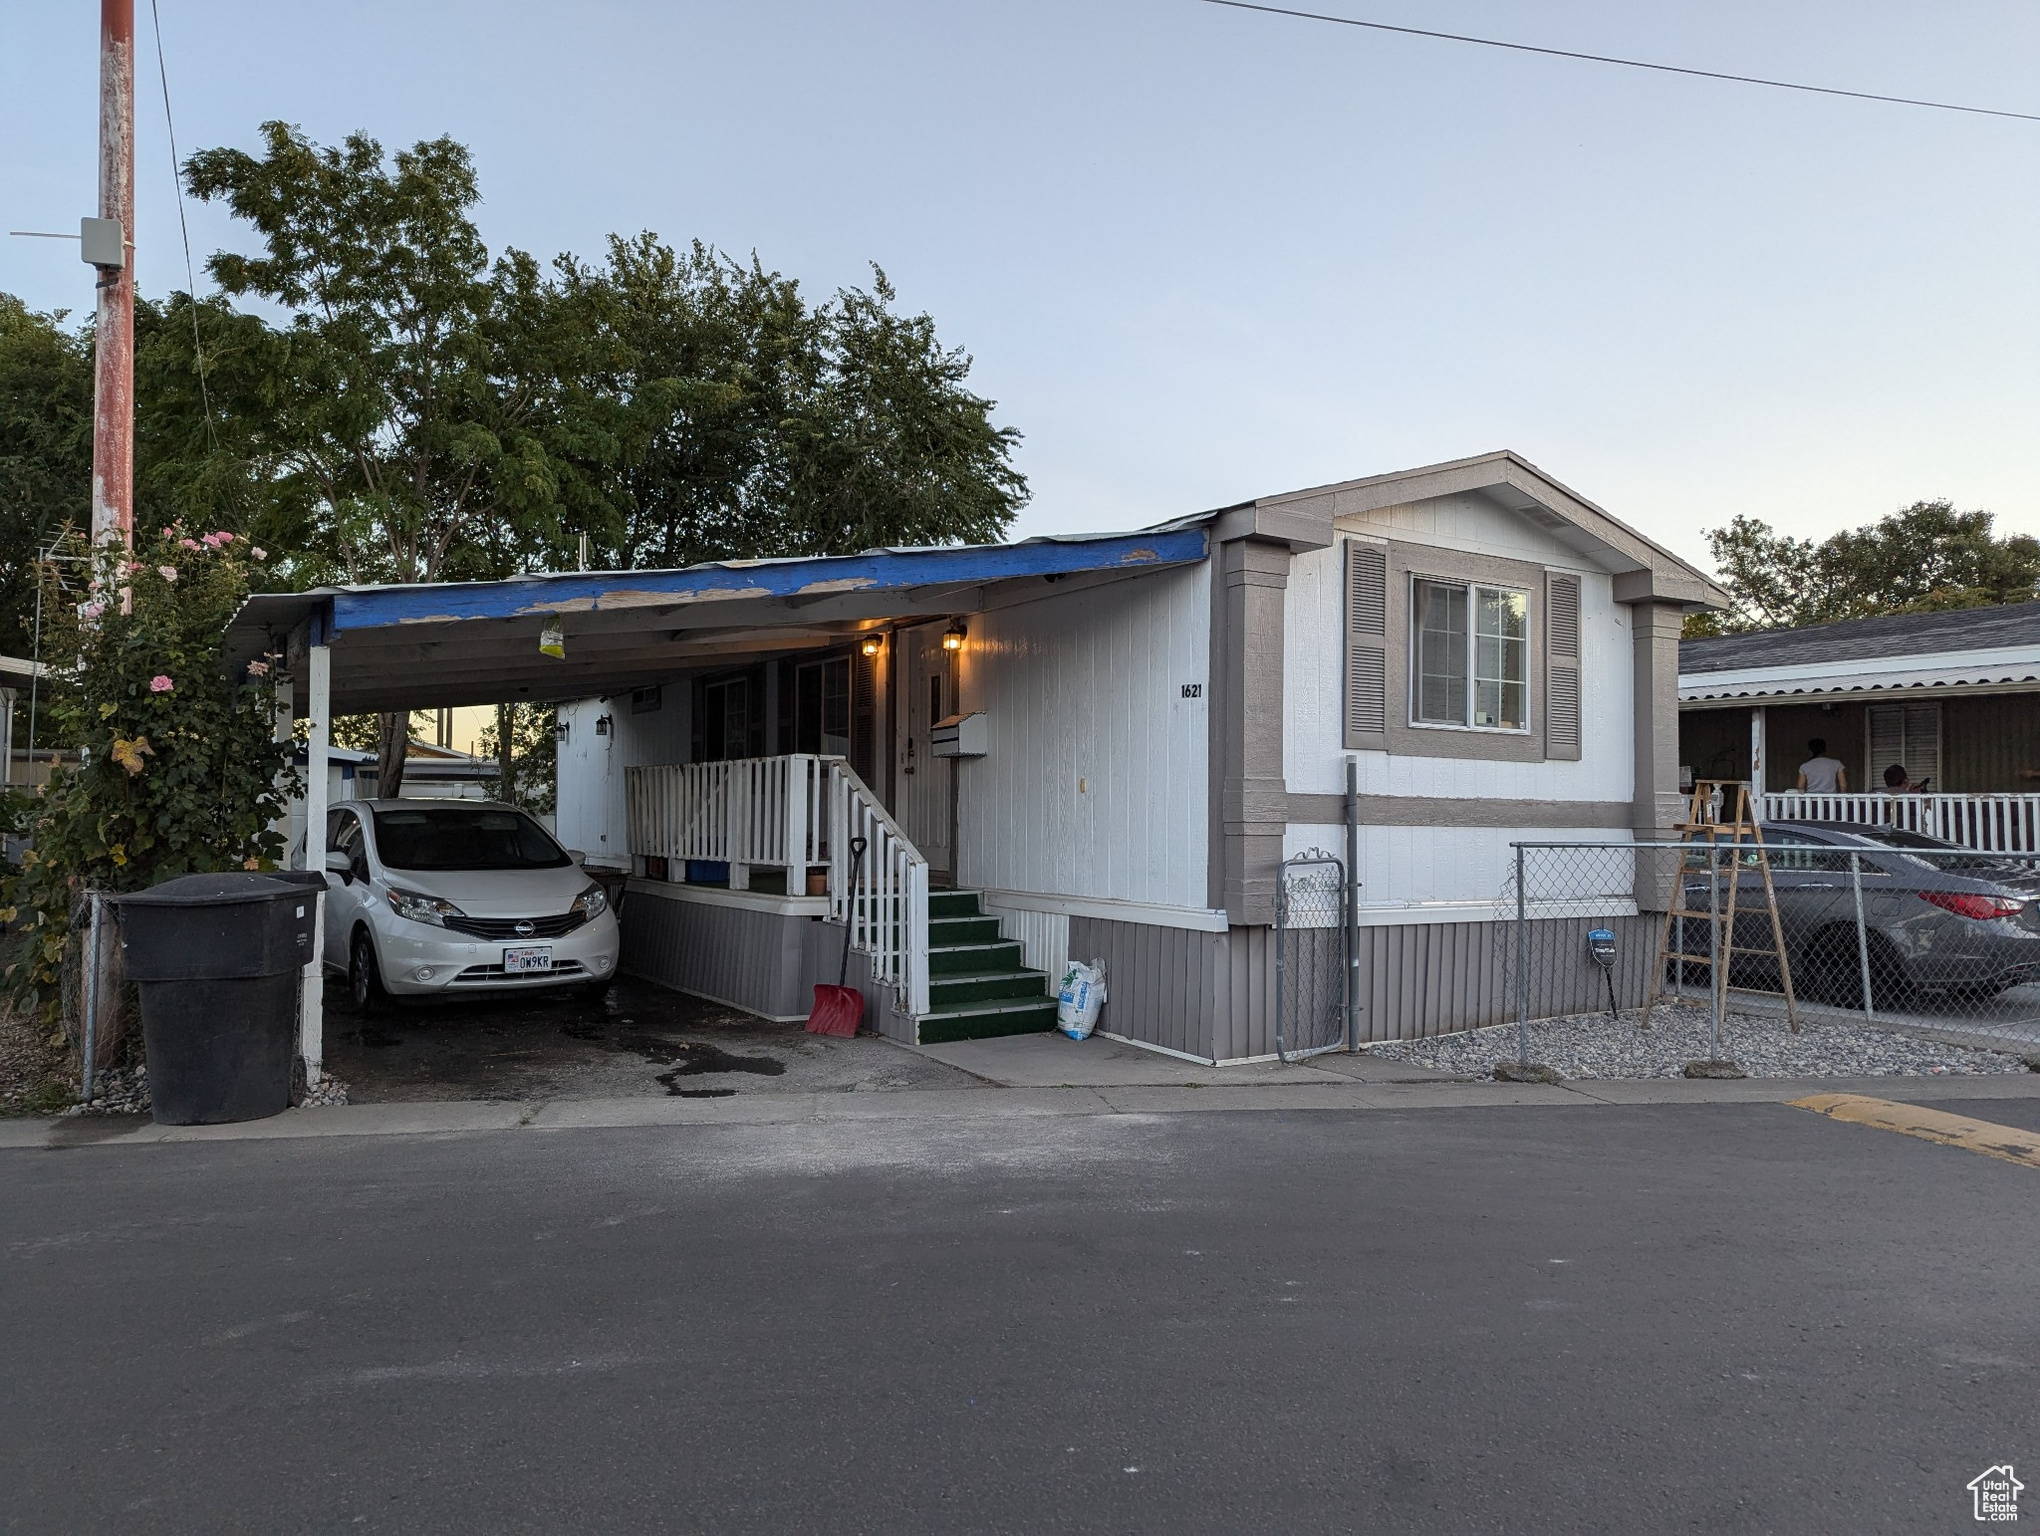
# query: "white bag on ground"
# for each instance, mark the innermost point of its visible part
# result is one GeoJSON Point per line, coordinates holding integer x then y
{"type": "Point", "coordinates": [1082, 995]}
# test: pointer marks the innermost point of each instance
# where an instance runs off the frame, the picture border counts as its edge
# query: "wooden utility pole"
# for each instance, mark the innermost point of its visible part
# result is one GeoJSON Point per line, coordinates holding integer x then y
{"type": "Point", "coordinates": [113, 402]}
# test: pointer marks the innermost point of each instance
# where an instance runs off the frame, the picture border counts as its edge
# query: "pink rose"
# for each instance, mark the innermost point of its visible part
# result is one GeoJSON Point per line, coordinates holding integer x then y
{"type": "Point", "coordinates": [258, 669]}
{"type": "Point", "coordinates": [187, 543]}
{"type": "Point", "coordinates": [169, 533]}
{"type": "Point", "coordinates": [161, 683]}
{"type": "Point", "coordinates": [91, 610]}
{"type": "Point", "coordinates": [256, 551]}
{"type": "Point", "coordinates": [167, 572]}
{"type": "Point", "coordinates": [221, 537]}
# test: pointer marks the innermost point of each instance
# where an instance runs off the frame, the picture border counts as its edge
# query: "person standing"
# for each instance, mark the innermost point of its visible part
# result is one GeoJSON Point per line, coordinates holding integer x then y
{"type": "Point", "coordinates": [1821, 774]}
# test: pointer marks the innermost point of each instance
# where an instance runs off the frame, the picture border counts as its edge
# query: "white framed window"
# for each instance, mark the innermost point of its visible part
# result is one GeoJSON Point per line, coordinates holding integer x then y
{"type": "Point", "coordinates": [1469, 655]}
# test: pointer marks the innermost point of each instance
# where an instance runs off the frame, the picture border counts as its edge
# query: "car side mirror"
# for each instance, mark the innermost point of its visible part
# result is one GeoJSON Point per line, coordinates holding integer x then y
{"type": "Point", "coordinates": [577, 855]}
{"type": "Point", "coordinates": [337, 863]}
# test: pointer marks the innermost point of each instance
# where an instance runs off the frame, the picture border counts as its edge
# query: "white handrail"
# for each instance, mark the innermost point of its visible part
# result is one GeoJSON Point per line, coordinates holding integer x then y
{"type": "Point", "coordinates": [1990, 823]}
{"type": "Point", "coordinates": [792, 813]}
{"type": "Point", "coordinates": [886, 905]}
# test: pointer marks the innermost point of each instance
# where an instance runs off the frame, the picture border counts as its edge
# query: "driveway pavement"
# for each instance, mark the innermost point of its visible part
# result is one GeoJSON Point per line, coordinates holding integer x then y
{"type": "Point", "coordinates": [636, 1039]}
{"type": "Point", "coordinates": [1584, 1316]}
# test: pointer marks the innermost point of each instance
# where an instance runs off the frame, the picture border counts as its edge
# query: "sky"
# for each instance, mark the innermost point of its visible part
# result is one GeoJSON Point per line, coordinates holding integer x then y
{"type": "Point", "coordinates": [1200, 254]}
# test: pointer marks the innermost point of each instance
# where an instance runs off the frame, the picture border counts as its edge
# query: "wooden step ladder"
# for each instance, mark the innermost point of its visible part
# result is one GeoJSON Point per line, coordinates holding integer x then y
{"type": "Point", "coordinates": [1703, 828]}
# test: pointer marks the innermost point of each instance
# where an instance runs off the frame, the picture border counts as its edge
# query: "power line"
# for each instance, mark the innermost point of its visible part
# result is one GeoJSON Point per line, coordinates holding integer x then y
{"type": "Point", "coordinates": [190, 274]}
{"type": "Point", "coordinates": [1602, 58]}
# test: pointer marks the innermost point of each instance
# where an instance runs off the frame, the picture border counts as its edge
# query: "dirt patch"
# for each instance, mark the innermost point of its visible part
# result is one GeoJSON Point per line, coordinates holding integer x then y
{"type": "Point", "coordinates": [37, 1073]}
{"type": "Point", "coordinates": [633, 1040]}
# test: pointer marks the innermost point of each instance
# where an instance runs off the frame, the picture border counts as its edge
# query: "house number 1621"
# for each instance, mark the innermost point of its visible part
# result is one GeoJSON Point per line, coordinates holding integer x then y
{"type": "Point", "coordinates": [1193, 690]}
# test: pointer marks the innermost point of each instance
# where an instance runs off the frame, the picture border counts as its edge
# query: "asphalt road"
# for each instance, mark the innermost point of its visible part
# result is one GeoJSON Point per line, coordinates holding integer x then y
{"type": "Point", "coordinates": [1711, 1317]}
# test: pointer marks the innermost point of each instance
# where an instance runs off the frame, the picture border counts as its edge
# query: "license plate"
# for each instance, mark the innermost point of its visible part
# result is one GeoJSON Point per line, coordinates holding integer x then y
{"type": "Point", "coordinates": [522, 962]}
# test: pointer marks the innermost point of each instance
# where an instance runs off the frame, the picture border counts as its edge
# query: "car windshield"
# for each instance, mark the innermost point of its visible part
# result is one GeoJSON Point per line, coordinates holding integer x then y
{"type": "Point", "coordinates": [464, 837]}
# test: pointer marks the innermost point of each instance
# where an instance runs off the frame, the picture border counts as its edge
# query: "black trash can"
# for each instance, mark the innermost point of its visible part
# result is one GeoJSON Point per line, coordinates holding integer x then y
{"type": "Point", "coordinates": [217, 960]}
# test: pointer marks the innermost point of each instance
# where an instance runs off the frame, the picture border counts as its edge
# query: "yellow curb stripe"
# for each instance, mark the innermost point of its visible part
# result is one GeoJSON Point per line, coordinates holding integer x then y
{"type": "Point", "coordinates": [2004, 1142]}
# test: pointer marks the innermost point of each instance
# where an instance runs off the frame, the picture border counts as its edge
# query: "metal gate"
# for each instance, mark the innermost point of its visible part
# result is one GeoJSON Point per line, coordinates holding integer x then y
{"type": "Point", "coordinates": [1311, 955]}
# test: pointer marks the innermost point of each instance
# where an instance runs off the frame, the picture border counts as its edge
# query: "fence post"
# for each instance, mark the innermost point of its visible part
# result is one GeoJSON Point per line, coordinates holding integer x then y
{"type": "Point", "coordinates": [1352, 912]}
{"type": "Point", "coordinates": [1862, 936]}
{"type": "Point", "coordinates": [91, 979]}
{"type": "Point", "coordinates": [1717, 983]}
{"type": "Point", "coordinates": [1522, 966]}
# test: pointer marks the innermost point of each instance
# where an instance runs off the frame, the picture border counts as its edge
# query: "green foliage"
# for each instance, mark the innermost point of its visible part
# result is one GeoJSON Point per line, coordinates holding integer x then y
{"type": "Point", "coordinates": [1924, 557]}
{"type": "Point", "coordinates": [180, 771]}
{"type": "Point", "coordinates": [45, 452]}
{"type": "Point", "coordinates": [697, 408]}
{"type": "Point", "coordinates": [534, 757]}
{"type": "Point", "coordinates": [396, 447]}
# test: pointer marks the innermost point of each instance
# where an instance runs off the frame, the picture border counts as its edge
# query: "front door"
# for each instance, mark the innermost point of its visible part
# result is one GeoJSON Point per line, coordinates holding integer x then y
{"type": "Point", "coordinates": [926, 801]}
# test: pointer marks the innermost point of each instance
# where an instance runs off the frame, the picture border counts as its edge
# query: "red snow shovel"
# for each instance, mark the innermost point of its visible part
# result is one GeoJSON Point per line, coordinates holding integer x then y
{"type": "Point", "coordinates": [839, 1009]}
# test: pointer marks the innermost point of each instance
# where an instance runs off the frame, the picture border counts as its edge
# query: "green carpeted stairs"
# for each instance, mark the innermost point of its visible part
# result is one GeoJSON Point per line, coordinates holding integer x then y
{"type": "Point", "coordinates": [977, 986]}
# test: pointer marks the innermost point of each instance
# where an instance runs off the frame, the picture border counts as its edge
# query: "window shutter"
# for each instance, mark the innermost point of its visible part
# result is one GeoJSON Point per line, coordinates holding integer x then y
{"type": "Point", "coordinates": [1562, 667]}
{"type": "Point", "coordinates": [1908, 734]}
{"type": "Point", "coordinates": [1366, 647]}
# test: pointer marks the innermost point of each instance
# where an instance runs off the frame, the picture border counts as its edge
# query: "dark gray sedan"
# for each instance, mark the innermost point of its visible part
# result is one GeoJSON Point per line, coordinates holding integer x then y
{"type": "Point", "coordinates": [1939, 919]}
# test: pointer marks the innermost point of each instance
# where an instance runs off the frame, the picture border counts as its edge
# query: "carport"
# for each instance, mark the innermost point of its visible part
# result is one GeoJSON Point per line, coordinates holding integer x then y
{"type": "Point", "coordinates": [363, 649]}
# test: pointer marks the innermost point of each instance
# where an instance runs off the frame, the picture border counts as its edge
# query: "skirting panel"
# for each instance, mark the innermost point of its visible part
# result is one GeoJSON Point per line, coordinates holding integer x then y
{"type": "Point", "coordinates": [736, 955]}
{"type": "Point", "coordinates": [765, 963]}
{"type": "Point", "coordinates": [1212, 995]}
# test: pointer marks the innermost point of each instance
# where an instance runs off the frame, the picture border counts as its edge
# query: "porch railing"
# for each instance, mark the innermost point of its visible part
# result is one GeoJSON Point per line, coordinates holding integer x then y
{"type": "Point", "coordinates": [767, 812]}
{"type": "Point", "coordinates": [1993, 823]}
{"type": "Point", "coordinates": [795, 813]}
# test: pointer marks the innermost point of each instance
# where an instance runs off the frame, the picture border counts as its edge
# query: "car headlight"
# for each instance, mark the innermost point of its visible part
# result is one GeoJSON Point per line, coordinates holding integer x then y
{"type": "Point", "coordinates": [420, 908]}
{"type": "Point", "coordinates": [591, 903]}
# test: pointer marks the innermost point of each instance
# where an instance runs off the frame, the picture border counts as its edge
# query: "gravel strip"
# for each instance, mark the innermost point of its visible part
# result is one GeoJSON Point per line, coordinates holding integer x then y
{"type": "Point", "coordinates": [1591, 1045]}
{"type": "Point", "coordinates": [125, 1091]}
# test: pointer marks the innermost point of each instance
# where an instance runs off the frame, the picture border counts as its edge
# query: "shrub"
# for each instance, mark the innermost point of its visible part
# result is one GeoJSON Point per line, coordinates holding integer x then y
{"type": "Point", "coordinates": [180, 771]}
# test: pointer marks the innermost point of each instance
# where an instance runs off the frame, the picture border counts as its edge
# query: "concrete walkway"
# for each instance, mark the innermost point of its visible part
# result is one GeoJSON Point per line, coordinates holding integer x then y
{"type": "Point", "coordinates": [1322, 1090]}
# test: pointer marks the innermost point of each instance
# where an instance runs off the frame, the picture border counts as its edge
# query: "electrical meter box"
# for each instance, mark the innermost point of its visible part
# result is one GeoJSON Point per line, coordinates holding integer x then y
{"type": "Point", "coordinates": [961, 736]}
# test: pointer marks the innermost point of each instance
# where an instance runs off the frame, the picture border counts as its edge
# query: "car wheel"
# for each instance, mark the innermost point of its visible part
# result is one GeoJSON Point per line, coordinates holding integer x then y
{"type": "Point", "coordinates": [1832, 970]}
{"type": "Point", "coordinates": [364, 976]}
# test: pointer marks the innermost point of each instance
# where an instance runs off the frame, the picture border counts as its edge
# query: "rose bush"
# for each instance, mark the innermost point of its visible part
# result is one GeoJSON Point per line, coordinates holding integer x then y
{"type": "Point", "coordinates": [180, 771]}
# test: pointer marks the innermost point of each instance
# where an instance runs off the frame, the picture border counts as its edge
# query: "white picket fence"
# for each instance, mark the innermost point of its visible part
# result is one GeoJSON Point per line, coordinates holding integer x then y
{"type": "Point", "coordinates": [795, 812]}
{"type": "Point", "coordinates": [1994, 823]}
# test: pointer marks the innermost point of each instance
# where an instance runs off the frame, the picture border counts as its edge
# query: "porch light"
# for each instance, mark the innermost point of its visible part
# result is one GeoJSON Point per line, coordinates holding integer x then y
{"type": "Point", "coordinates": [563, 729]}
{"type": "Point", "coordinates": [953, 637]}
{"type": "Point", "coordinates": [873, 644]}
{"type": "Point", "coordinates": [603, 724]}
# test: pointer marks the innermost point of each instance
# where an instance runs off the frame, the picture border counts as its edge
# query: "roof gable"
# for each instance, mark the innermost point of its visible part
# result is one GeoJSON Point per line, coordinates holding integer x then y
{"type": "Point", "coordinates": [1643, 567]}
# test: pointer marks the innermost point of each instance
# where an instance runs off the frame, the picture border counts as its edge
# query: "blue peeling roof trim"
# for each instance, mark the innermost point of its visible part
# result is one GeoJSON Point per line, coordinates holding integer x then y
{"type": "Point", "coordinates": [354, 608]}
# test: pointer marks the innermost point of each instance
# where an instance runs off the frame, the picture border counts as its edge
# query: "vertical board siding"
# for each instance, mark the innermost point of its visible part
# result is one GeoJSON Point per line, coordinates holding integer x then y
{"type": "Point", "coordinates": [1044, 937]}
{"type": "Point", "coordinates": [1212, 995]}
{"type": "Point", "coordinates": [1097, 779]}
{"type": "Point", "coordinates": [749, 959]}
{"type": "Point", "coordinates": [1159, 982]}
{"type": "Point", "coordinates": [592, 815]}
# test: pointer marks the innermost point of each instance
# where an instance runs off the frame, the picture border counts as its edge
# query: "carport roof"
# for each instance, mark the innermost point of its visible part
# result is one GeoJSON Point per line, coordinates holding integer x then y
{"type": "Point", "coordinates": [448, 643]}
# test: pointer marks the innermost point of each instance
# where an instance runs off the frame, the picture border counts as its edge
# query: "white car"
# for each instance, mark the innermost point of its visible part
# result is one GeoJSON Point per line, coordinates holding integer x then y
{"type": "Point", "coordinates": [434, 898]}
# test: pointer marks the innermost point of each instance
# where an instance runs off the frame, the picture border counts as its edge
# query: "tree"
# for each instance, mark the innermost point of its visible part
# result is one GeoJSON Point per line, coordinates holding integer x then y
{"type": "Point", "coordinates": [709, 413]}
{"type": "Point", "coordinates": [390, 426]}
{"type": "Point", "coordinates": [1924, 557]}
{"type": "Point", "coordinates": [45, 453]}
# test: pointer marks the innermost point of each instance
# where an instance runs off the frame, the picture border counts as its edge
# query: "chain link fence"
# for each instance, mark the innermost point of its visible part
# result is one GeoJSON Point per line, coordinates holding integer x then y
{"type": "Point", "coordinates": [1312, 956]}
{"type": "Point", "coordinates": [1735, 951]}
